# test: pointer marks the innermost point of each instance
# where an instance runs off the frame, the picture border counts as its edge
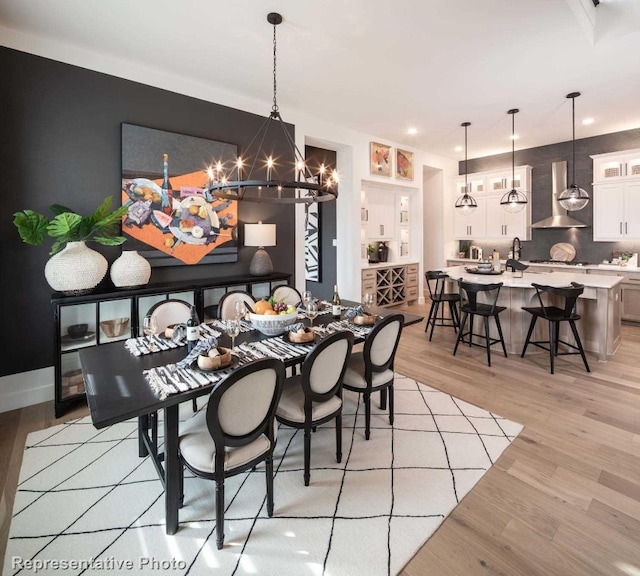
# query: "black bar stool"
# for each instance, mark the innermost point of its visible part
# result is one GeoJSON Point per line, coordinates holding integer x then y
{"type": "Point", "coordinates": [554, 315]}
{"type": "Point", "coordinates": [436, 281]}
{"type": "Point", "coordinates": [469, 306]}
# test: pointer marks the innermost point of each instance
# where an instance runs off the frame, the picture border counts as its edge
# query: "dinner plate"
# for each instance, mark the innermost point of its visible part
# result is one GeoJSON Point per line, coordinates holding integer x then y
{"type": "Point", "coordinates": [234, 362]}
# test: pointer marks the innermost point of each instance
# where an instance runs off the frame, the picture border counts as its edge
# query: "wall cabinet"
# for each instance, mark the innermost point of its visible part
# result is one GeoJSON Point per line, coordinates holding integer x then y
{"type": "Point", "coordinates": [102, 311]}
{"type": "Point", "coordinates": [490, 221]}
{"type": "Point", "coordinates": [380, 215]}
{"type": "Point", "coordinates": [391, 285]}
{"type": "Point", "coordinates": [616, 196]}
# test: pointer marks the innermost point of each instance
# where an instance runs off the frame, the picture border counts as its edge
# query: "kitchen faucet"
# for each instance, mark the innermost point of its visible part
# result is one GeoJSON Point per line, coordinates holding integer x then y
{"type": "Point", "coordinates": [516, 248]}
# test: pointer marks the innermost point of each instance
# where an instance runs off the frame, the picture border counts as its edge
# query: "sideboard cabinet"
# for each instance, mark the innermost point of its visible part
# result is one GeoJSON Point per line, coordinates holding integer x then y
{"type": "Point", "coordinates": [391, 285]}
{"type": "Point", "coordinates": [112, 315]}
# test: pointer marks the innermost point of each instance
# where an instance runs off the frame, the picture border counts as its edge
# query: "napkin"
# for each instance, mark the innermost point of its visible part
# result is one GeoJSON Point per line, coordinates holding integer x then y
{"type": "Point", "coordinates": [353, 312]}
{"type": "Point", "coordinates": [202, 347]}
{"type": "Point", "coordinates": [295, 327]}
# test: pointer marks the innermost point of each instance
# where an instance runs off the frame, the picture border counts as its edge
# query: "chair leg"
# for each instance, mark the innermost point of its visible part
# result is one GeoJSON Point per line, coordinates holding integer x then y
{"type": "Point", "coordinates": [269, 472]}
{"type": "Point", "coordinates": [307, 455]}
{"type": "Point", "coordinates": [557, 331]}
{"type": "Point", "coordinates": [383, 399]}
{"type": "Point", "coordinates": [487, 340]}
{"type": "Point", "coordinates": [552, 344]}
{"type": "Point", "coordinates": [471, 319]}
{"type": "Point", "coordinates": [181, 485]}
{"type": "Point", "coordinates": [574, 329]}
{"type": "Point", "coordinates": [220, 513]}
{"type": "Point", "coordinates": [433, 304]}
{"type": "Point", "coordinates": [435, 318]}
{"type": "Point", "coordinates": [391, 404]}
{"type": "Point", "coordinates": [339, 438]}
{"type": "Point", "coordinates": [526, 342]}
{"type": "Point", "coordinates": [499, 327]}
{"type": "Point", "coordinates": [195, 405]}
{"type": "Point", "coordinates": [454, 315]}
{"type": "Point", "coordinates": [367, 415]}
{"type": "Point", "coordinates": [460, 332]}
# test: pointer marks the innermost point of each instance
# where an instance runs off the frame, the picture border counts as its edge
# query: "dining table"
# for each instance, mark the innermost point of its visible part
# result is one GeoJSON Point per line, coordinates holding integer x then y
{"type": "Point", "coordinates": [118, 389]}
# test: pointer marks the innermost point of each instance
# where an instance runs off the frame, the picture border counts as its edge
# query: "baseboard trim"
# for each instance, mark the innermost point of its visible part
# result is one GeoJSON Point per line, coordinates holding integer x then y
{"type": "Point", "coordinates": [26, 388]}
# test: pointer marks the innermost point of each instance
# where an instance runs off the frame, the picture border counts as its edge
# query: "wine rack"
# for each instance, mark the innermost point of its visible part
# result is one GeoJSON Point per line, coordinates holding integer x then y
{"type": "Point", "coordinates": [391, 285]}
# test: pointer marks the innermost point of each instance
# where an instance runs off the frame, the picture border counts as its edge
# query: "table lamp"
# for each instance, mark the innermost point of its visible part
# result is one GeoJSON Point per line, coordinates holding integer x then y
{"type": "Point", "coordinates": [260, 235]}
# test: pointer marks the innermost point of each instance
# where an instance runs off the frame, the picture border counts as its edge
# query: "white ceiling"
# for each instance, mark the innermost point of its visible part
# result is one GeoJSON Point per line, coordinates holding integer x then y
{"type": "Point", "coordinates": [378, 66]}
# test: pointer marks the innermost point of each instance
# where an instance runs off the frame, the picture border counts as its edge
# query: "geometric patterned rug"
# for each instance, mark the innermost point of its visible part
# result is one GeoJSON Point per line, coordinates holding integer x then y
{"type": "Point", "coordinates": [86, 501]}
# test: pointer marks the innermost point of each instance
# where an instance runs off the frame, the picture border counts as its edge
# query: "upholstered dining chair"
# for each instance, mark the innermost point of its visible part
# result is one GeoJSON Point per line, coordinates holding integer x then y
{"type": "Point", "coordinates": [167, 312]}
{"type": "Point", "coordinates": [235, 433]}
{"type": "Point", "coordinates": [371, 369]}
{"type": "Point", "coordinates": [288, 294]}
{"type": "Point", "coordinates": [314, 396]}
{"type": "Point", "coordinates": [227, 304]}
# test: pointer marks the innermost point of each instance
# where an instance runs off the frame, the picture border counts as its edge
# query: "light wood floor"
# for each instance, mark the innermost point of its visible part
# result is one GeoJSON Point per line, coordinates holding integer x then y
{"type": "Point", "coordinates": [564, 498]}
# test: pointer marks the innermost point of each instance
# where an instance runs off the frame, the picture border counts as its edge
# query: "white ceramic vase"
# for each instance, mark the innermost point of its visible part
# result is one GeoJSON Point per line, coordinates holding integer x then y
{"type": "Point", "coordinates": [130, 270]}
{"type": "Point", "coordinates": [77, 269]}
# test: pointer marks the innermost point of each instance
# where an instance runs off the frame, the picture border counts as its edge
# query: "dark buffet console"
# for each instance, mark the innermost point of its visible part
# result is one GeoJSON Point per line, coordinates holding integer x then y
{"type": "Point", "coordinates": [110, 315]}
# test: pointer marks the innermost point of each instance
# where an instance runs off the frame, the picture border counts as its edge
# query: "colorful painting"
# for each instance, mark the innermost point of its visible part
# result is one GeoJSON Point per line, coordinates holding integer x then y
{"type": "Point", "coordinates": [380, 159]}
{"type": "Point", "coordinates": [172, 218]}
{"type": "Point", "coordinates": [404, 164]}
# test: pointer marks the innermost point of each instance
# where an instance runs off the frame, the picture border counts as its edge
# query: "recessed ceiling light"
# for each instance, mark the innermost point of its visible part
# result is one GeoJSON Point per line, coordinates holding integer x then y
{"type": "Point", "coordinates": [588, 121]}
{"type": "Point", "coordinates": [458, 149]}
{"type": "Point", "coordinates": [412, 131]}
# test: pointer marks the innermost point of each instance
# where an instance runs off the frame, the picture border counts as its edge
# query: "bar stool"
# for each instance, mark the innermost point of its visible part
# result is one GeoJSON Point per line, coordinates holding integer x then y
{"type": "Point", "coordinates": [469, 306]}
{"type": "Point", "coordinates": [436, 281]}
{"type": "Point", "coordinates": [554, 315]}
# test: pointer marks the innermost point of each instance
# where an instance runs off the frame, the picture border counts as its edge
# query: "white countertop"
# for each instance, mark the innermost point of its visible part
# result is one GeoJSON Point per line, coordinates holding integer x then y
{"type": "Point", "coordinates": [557, 279]}
{"type": "Point", "coordinates": [613, 267]}
{"type": "Point", "coordinates": [389, 264]}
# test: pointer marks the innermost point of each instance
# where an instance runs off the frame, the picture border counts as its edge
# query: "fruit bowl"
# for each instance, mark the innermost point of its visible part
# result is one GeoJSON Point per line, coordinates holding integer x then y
{"type": "Point", "coordinates": [272, 324]}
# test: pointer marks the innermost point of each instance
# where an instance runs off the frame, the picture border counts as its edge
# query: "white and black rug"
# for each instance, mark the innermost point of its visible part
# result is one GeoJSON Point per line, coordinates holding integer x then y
{"type": "Point", "coordinates": [85, 499]}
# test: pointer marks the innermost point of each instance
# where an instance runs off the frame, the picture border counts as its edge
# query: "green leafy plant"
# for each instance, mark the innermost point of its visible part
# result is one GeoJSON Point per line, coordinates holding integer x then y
{"type": "Point", "coordinates": [103, 226]}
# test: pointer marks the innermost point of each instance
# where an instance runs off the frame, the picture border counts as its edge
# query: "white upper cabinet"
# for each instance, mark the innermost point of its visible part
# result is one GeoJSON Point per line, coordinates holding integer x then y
{"type": "Point", "coordinates": [490, 221]}
{"type": "Point", "coordinates": [616, 166]}
{"type": "Point", "coordinates": [380, 215]}
{"type": "Point", "coordinates": [616, 196]}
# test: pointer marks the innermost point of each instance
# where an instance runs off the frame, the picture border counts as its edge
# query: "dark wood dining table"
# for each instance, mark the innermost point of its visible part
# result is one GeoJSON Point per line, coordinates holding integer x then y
{"type": "Point", "coordinates": [117, 390]}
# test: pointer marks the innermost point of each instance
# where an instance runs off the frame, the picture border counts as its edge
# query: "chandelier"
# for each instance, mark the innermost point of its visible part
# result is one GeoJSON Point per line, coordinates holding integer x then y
{"type": "Point", "coordinates": [466, 204]}
{"type": "Point", "coordinates": [245, 179]}
{"type": "Point", "coordinates": [513, 201]}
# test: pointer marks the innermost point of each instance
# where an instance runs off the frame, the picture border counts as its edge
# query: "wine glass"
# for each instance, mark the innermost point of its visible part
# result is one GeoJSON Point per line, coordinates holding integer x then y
{"type": "Point", "coordinates": [149, 326]}
{"type": "Point", "coordinates": [240, 310]}
{"type": "Point", "coordinates": [307, 297]}
{"type": "Point", "coordinates": [312, 311]}
{"type": "Point", "coordinates": [232, 328]}
{"type": "Point", "coordinates": [367, 302]}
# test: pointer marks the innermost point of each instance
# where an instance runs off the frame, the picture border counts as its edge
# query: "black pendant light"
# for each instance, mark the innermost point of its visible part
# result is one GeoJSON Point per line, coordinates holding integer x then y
{"type": "Point", "coordinates": [234, 183]}
{"type": "Point", "coordinates": [466, 204]}
{"type": "Point", "coordinates": [514, 200]}
{"type": "Point", "coordinates": [573, 198]}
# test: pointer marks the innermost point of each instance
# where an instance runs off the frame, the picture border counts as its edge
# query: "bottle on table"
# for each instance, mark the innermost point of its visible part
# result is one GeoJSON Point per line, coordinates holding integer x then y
{"type": "Point", "coordinates": [167, 194]}
{"type": "Point", "coordinates": [336, 308]}
{"type": "Point", "coordinates": [496, 260]}
{"type": "Point", "coordinates": [193, 329]}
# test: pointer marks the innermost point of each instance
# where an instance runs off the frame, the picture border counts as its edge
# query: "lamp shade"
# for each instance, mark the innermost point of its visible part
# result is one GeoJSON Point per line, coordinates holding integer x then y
{"type": "Point", "coordinates": [259, 234]}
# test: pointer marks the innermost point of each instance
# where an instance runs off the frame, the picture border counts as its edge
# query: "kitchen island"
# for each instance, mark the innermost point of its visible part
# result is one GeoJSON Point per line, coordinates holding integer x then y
{"type": "Point", "coordinates": [599, 305]}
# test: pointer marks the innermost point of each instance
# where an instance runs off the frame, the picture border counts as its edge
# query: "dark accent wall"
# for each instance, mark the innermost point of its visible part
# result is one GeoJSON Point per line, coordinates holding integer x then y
{"type": "Point", "coordinates": [328, 275]}
{"type": "Point", "coordinates": [61, 144]}
{"type": "Point", "coordinates": [541, 159]}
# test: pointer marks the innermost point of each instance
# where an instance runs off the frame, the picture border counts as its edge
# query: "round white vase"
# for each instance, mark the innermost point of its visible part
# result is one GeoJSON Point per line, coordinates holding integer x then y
{"type": "Point", "coordinates": [77, 269]}
{"type": "Point", "coordinates": [130, 270]}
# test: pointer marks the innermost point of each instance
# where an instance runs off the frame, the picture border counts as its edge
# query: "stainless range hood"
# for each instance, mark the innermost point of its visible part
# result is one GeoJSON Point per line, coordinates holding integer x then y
{"type": "Point", "coordinates": [559, 217]}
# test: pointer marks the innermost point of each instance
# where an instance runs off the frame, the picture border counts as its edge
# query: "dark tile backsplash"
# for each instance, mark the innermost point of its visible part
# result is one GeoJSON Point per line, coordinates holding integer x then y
{"type": "Point", "coordinates": [541, 159]}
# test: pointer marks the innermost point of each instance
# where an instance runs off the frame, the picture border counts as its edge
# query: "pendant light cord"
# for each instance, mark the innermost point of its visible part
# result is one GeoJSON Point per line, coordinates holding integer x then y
{"type": "Point", "coordinates": [573, 121]}
{"type": "Point", "coordinates": [274, 108]}
{"type": "Point", "coordinates": [466, 171]}
{"type": "Point", "coordinates": [513, 149]}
